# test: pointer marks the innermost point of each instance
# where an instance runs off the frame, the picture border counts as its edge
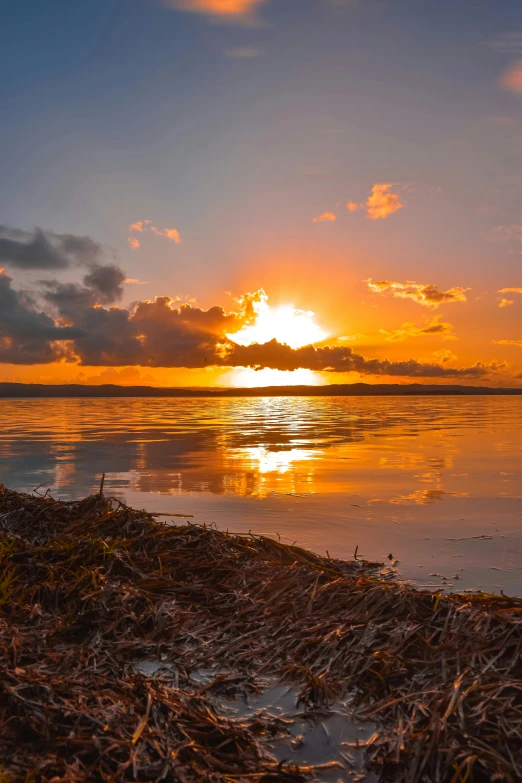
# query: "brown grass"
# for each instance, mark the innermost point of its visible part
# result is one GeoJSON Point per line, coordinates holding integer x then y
{"type": "Point", "coordinates": [89, 588]}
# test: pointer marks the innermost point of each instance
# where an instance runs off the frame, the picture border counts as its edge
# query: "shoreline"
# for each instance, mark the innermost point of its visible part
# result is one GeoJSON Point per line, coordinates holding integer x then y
{"type": "Point", "coordinates": [40, 391]}
{"type": "Point", "coordinates": [91, 589]}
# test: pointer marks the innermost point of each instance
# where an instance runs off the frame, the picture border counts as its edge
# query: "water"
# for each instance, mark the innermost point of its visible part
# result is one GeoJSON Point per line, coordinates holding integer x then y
{"type": "Point", "coordinates": [332, 736]}
{"type": "Point", "coordinates": [433, 481]}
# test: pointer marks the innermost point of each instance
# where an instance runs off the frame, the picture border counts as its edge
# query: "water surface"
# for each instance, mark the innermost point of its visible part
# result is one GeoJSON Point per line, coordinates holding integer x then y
{"type": "Point", "coordinates": [433, 481]}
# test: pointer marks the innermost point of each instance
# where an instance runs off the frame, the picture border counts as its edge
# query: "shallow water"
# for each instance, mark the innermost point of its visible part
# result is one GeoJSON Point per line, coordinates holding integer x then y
{"type": "Point", "coordinates": [433, 481]}
{"type": "Point", "coordinates": [334, 737]}
{"type": "Point", "coordinates": [331, 737]}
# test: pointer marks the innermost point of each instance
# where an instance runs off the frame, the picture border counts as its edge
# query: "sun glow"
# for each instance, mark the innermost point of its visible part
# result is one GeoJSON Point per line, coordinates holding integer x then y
{"type": "Point", "coordinates": [285, 324]}
{"type": "Point", "coordinates": [246, 377]}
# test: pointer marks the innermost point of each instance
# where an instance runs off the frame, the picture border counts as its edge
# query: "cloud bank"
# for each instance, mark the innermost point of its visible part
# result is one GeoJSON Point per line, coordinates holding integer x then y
{"type": "Point", "coordinates": [161, 333]}
{"type": "Point", "coordinates": [82, 323]}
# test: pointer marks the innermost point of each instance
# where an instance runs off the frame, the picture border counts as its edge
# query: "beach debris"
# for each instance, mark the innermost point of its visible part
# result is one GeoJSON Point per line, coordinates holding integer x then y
{"type": "Point", "coordinates": [91, 590]}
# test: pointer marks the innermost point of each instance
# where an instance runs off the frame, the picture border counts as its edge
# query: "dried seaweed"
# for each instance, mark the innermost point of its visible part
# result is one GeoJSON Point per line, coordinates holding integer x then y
{"type": "Point", "coordinates": [90, 588]}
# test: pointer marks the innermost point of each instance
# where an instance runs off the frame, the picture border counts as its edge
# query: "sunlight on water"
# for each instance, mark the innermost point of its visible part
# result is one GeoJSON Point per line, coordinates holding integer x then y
{"type": "Point", "coordinates": [262, 460]}
{"type": "Point", "coordinates": [435, 482]}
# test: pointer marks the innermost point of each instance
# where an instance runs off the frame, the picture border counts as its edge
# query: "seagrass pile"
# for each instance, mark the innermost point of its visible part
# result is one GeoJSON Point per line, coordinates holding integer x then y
{"type": "Point", "coordinates": [90, 588]}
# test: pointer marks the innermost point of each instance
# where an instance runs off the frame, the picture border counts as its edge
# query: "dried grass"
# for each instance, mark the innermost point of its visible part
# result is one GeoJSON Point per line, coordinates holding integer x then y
{"type": "Point", "coordinates": [89, 588]}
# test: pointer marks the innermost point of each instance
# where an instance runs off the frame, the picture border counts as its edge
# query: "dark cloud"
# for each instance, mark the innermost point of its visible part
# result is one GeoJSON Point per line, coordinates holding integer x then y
{"type": "Point", "coordinates": [106, 281]}
{"type": "Point", "coordinates": [45, 249]}
{"type": "Point", "coordinates": [103, 285]}
{"type": "Point", "coordinates": [68, 298]}
{"type": "Point", "coordinates": [83, 251]}
{"type": "Point", "coordinates": [343, 359]}
{"type": "Point", "coordinates": [27, 335]}
{"type": "Point", "coordinates": [35, 253]}
{"type": "Point", "coordinates": [84, 325]}
{"type": "Point", "coordinates": [160, 335]}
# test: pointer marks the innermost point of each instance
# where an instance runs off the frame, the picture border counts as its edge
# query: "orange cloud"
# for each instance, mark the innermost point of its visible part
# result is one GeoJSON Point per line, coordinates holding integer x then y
{"type": "Point", "coordinates": [159, 334]}
{"type": "Point", "coordinates": [505, 302]}
{"type": "Point", "coordinates": [169, 233]}
{"type": "Point", "coordinates": [510, 291]}
{"type": "Point", "coordinates": [142, 225]}
{"type": "Point", "coordinates": [382, 202]}
{"type": "Point", "coordinates": [409, 329]}
{"type": "Point", "coordinates": [511, 79]}
{"type": "Point", "coordinates": [326, 217]}
{"type": "Point", "coordinates": [135, 281]}
{"type": "Point", "coordinates": [508, 342]}
{"type": "Point", "coordinates": [221, 10]}
{"type": "Point", "coordinates": [345, 338]}
{"type": "Point", "coordinates": [428, 295]}
{"type": "Point", "coordinates": [444, 355]}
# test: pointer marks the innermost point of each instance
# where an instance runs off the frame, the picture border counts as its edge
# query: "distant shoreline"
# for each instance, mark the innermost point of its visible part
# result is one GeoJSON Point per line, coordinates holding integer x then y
{"type": "Point", "coordinates": [40, 390]}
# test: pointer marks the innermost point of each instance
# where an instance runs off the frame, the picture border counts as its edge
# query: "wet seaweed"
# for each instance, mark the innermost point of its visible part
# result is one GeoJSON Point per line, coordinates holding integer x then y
{"type": "Point", "coordinates": [91, 588]}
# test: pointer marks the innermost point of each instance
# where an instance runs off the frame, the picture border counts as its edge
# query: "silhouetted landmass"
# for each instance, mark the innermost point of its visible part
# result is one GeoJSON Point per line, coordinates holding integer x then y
{"type": "Point", "coordinates": [333, 390]}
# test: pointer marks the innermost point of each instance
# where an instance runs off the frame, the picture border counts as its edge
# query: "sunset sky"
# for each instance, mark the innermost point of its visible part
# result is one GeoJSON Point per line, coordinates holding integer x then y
{"type": "Point", "coordinates": [248, 192]}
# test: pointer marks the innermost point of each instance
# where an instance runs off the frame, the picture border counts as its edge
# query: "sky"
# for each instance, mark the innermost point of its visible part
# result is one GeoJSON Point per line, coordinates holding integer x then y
{"type": "Point", "coordinates": [248, 192]}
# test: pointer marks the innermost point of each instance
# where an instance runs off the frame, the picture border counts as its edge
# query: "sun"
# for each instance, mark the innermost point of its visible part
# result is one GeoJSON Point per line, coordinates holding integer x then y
{"type": "Point", "coordinates": [247, 377]}
{"type": "Point", "coordinates": [285, 323]}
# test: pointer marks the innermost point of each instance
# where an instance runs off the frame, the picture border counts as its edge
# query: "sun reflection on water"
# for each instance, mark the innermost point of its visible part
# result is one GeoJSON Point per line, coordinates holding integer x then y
{"type": "Point", "coordinates": [385, 474]}
{"type": "Point", "coordinates": [263, 460]}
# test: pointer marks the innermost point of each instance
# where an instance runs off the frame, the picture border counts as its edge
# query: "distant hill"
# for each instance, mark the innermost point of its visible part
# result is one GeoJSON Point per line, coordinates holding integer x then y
{"type": "Point", "coordinates": [333, 390]}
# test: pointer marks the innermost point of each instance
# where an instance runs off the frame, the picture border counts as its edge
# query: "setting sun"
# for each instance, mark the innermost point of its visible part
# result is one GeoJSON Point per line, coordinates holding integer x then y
{"type": "Point", "coordinates": [245, 377]}
{"type": "Point", "coordinates": [284, 324]}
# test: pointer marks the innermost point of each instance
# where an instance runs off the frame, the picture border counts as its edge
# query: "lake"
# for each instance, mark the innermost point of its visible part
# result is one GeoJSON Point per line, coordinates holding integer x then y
{"type": "Point", "coordinates": [435, 482]}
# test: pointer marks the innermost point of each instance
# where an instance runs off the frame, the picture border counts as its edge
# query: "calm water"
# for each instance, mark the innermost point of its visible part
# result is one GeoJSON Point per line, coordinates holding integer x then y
{"type": "Point", "coordinates": [436, 482]}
